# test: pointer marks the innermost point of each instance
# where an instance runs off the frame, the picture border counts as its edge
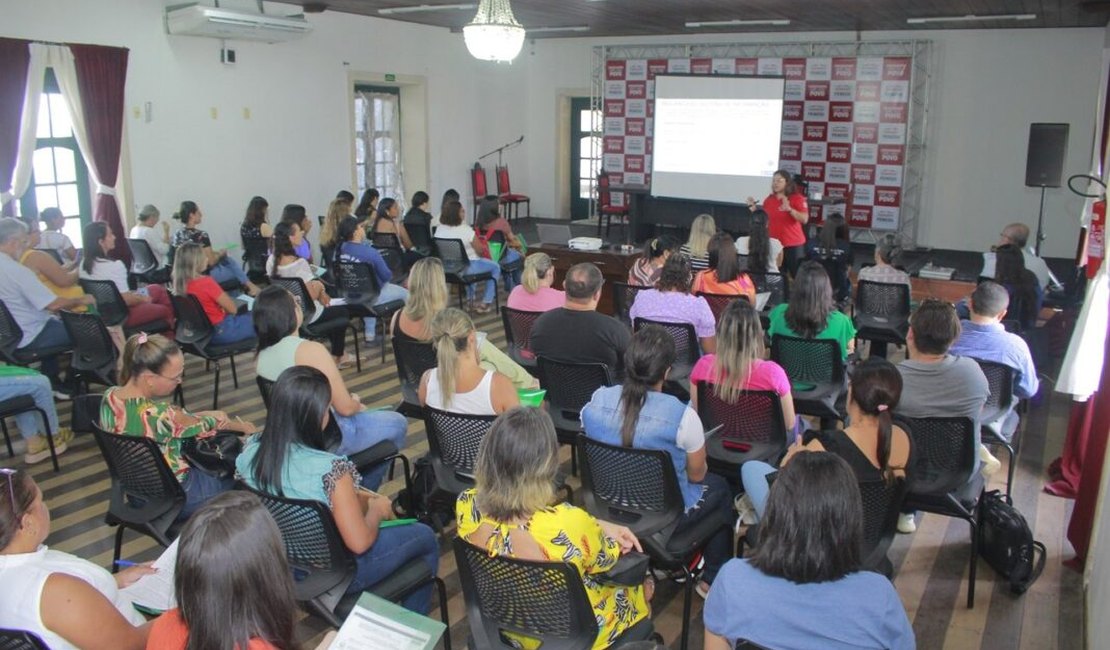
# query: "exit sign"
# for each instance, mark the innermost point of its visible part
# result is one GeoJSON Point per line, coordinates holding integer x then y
{"type": "Point", "coordinates": [391, 77]}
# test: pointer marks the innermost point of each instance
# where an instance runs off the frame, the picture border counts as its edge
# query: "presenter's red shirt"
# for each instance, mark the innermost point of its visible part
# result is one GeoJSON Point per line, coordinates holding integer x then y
{"type": "Point", "coordinates": [780, 224]}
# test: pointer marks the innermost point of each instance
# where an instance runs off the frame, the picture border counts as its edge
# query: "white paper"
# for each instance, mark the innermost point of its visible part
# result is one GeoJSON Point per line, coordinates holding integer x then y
{"type": "Point", "coordinates": [155, 591]}
{"type": "Point", "coordinates": [367, 630]}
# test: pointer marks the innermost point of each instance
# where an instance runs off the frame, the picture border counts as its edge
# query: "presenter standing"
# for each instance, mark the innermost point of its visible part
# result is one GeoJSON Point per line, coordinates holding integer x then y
{"type": "Point", "coordinates": [787, 211]}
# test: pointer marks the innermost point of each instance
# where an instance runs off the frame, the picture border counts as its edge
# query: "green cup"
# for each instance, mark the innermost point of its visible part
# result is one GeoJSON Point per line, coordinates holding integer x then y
{"type": "Point", "coordinates": [495, 250]}
{"type": "Point", "coordinates": [531, 396]}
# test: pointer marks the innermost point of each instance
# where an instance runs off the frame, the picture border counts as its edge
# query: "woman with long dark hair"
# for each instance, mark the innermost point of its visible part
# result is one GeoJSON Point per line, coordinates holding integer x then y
{"type": "Point", "coordinates": [489, 221]}
{"type": "Point", "coordinates": [646, 269]}
{"type": "Point", "coordinates": [670, 302]}
{"type": "Point", "coordinates": [804, 587]}
{"type": "Point", "coordinates": [367, 204]}
{"type": "Point", "coordinates": [291, 459]}
{"type": "Point", "coordinates": [787, 211]}
{"type": "Point", "coordinates": [453, 226]}
{"type": "Point", "coordinates": [388, 220]}
{"type": "Point", "coordinates": [1026, 295]}
{"type": "Point", "coordinates": [218, 265]}
{"type": "Point", "coordinates": [351, 247]}
{"type": "Point", "coordinates": [638, 414]}
{"type": "Point", "coordinates": [254, 222]}
{"type": "Point", "coordinates": [764, 252]}
{"type": "Point", "coordinates": [724, 275]}
{"type": "Point", "coordinates": [146, 305]}
{"type": "Point", "coordinates": [811, 312]}
{"type": "Point", "coordinates": [295, 213]}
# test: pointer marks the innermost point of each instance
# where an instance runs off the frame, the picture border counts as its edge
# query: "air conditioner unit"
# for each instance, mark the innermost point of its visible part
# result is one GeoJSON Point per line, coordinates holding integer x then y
{"type": "Point", "coordinates": [212, 22]}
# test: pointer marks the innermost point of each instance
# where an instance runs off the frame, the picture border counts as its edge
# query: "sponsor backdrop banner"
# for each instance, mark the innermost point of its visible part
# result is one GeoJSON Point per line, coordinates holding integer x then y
{"type": "Point", "coordinates": [844, 125]}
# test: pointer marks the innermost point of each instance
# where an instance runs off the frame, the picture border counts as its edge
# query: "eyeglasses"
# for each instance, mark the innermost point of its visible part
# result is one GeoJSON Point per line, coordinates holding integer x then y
{"type": "Point", "coordinates": [176, 380]}
{"type": "Point", "coordinates": [10, 474]}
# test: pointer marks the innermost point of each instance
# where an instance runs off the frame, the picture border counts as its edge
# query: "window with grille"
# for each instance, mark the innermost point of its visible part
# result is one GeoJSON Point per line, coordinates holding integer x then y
{"type": "Point", "coordinates": [378, 140]}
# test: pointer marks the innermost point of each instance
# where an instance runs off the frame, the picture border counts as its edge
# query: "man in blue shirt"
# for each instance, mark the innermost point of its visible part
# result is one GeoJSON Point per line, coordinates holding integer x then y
{"type": "Point", "coordinates": [983, 337]}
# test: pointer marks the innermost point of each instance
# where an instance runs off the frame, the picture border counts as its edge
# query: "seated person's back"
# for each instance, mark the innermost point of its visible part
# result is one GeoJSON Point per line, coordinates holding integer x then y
{"type": "Point", "coordinates": [577, 333]}
{"type": "Point", "coordinates": [811, 312]}
{"type": "Point", "coordinates": [458, 383]}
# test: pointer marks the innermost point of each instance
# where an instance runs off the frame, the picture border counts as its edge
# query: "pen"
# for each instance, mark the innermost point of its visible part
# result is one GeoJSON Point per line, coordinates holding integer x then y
{"type": "Point", "coordinates": [125, 563]}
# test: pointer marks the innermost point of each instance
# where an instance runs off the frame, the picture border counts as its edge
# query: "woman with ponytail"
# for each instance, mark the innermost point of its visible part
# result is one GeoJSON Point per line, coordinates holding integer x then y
{"type": "Point", "coordinates": [457, 383]}
{"type": "Point", "coordinates": [638, 414]}
{"type": "Point", "coordinates": [871, 444]}
{"type": "Point", "coordinates": [645, 271]}
{"type": "Point", "coordinates": [534, 293]}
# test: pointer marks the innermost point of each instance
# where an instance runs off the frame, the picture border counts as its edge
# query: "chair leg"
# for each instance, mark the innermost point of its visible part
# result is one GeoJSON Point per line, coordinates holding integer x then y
{"type": "Point", "coordinates": [442, 589]}
{"type": "Point", "coordinates": [973, 562]}
{"type": "Point", "coordinates": [216, 389]}
{"type": "Point", "coordinates": [234, 375]}
{"type": "Point", "coordinates": [7, 438]}
{"type": "Point", "coordinates": [118, 548]}
{"type": "Point", "coordinates": [688, 589]}
{"type": "Point", "coordinates": [49, 438]}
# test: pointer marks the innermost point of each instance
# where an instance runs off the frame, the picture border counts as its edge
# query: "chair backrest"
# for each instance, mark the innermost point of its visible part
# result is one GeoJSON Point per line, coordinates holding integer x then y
{"type": "Point", "coordinates": [357, 279]}
{"type": "Point", "coordinates": [1000, 379]}
{"type": "Point", "coordinates": [413, 359]}
{"type": "Point", "coordinates": [478, 185]}
{"type": "Point", "coordinates": [395, 260]}
{"type": "Point", "coordinates": [452, 253]}
{"type": "Point", "coordinates": [137, 465]}
{"type": "Point", "coordinates": [882, 503]}
{"type": "Point", "coordinates": [944, 453]}
{"type": "Point", "coordinates": [885, 299]}
{"type": "Point", "coordinates": [503, 186]}
{"type": "Point", "coordinates": [20, 640]}
{"type": "Point", "coordinates": [634, 487]}
{"type": "Point", "coordinates": [604, 196]}
{"type": "Point", "coordinates": [11, 335]}
{"type": "Point", "coordinates": [265, 387]}
{"type": "Point", "coordinates": [719, 302]}
{"type": "Point", "coordinates": [686, 348]}
{"type": "Point", "coordinates": [755, 416]}
{"type": "Point", "coordinates": [742, 262]}
{"type": "Point", "coordinates": [296, 286]}
{"type": "Point", "coordinates": [256, 250]}
{"type": "Point", "coordinates": [93, 348]}
{"type": "Point", "coordinates": [308, 530]}
{"type": "Point", "coordinates": [542, 600]}
{"type": "Point", "coordinates": [624, 295]}
{"type": "Point", "coordinates": [109, 302]}
{"type": "Point", "coordinates": [193, 326]}
{"type": "Point", "coordinates": [518, 327]}
{"type": "Point", "coordinates": [571, 385]}
{"type": "Point", "coordinates": [808, 360]}
{"type": "Point", "coordinates": [380, 240]}
{"type": "Point", "coordinates": [453, 439]}
{"type": "Point", "coordinates": [772, 283]}
{"type": "Point", "coordinates": [420, 235]}
{"type": "Point", "coordinates": [142, 256]}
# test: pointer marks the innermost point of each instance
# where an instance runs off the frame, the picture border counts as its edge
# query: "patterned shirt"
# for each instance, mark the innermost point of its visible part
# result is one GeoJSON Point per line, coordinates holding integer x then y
{"type": "Point", "coordinates": [675, 307]}
{"type": "Point", "coordinates": [885, 273]}
{"type": "Point", "coordinates": [191, 236]}
{"type": "Point", "coordinates": [141, 416]}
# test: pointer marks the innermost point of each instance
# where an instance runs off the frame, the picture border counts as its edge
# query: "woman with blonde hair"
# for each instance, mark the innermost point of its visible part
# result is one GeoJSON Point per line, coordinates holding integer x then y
{"type": "Point", "coordinates": [428, 297]}
{"type": "Point", "coordinates": [188, 279]}
{"type": "Point", "coordinates": [696, 248]}
{"type": "Point", "coordinates": [458, 383]}
{"type": "Point", "coordinates": [329, 231]}
{"type": "Point", "coordinates": [534, 293]}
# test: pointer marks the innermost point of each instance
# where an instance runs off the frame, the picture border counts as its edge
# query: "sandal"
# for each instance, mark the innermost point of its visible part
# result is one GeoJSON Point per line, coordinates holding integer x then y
{"type": "Point", "coordinates": [344, 362]}
{"type": "Point", "coordinates": [483, 308]}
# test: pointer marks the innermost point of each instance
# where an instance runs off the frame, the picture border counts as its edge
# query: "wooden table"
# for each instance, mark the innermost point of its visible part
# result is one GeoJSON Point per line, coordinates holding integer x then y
{"type": "Point", "coordinates": [951, 290]}
{"type": "Point", "coordinates": [611, 261]}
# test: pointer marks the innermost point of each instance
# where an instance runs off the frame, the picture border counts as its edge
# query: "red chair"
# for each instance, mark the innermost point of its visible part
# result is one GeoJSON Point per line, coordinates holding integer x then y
{"type": "Point", "coordinates": [506, 197]}
{"type": "Point", "coordinates": [605, 208]}
{"type": "Point", "coordinates": [478, 187]}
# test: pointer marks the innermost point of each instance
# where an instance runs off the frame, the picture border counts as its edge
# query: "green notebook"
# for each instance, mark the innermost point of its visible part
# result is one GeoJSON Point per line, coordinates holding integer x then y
{"type": "Point", "coordinates": [377, 624]}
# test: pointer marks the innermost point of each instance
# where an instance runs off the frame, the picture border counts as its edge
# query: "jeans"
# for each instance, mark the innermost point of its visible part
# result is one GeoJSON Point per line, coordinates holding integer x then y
{"type": "Point", "coordinates": [484, 266]}
{"type": "Point", "coordinates": [226, 269]}
{"type": "Point", "coordinates": [366, 429]}
{"type": "Point", "coordinates": [199, 488]}
{"type": "Point", "coordinates": [53, 334]}
{"type": "Point", "coordinates": [232, 329]}
{"type": "Point", "coordinates": [394, 547]}
{"type": "Point", "coordinates": [715, 502]}
{"type": "Point", "coordinates": [511, 278]}
{"type": "Point", "coordinates": [389, 293]}
{"type": "Point", "coordinates": [753, 474]}
{"type": "Point", "coordinates": [38, 387]}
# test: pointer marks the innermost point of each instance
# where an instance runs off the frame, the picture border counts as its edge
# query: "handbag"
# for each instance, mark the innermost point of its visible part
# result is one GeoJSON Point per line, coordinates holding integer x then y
{"type": "Point", "coordinates": [1007, 544]}
{"type": "Point", "coordinates": [214, 455]}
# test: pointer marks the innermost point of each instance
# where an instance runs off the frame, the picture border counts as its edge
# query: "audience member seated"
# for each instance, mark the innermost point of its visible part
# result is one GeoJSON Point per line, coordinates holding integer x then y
{"type": "Point", "coordinates": [833, 249]}
{"type": "Point", "coordinates": [388, 220]}
{"type": "Point", "coordinates": [231, 582]}
{"type": "Point", "coordinates": [872, 446]}
{"type": "Point", "coordinates": [936, 383]}
{"type": "Point", "coordinates": [489, 221]}
{"type": "Point", "coordinates": [291, 459]}
{"type": "Point", "coordinates": [450, 195]}
{"type": "Point", "coordinates": [31, 303]}
{"type": "Point", "coordinates": [724, 275]}
{"type": "Point", "coordinates": [419, 218]}
{"type": "Point", "coordinates": [54, 239]}
{"type": "Point", "coordinates": [739, 365]}
{"type": "Point", "coordinates": [787, 211]}
{"type": "Point", "coordinates": [1025, 293]}
{"type": "Point", "coordinates": [17, 382]}
{"type": "Point", "coordinates": [453, 226]}
{"type": "Point", "coordinates": [152, 369]}
{"type": "Point", "coordinates": [254, 222]}
{"type": "Point", "coordinates": [637, 414]}
{"type": "Point", "coordinates": [367, 204]}
{"type": "Point", "coordinates": [295, 214]}
{"type": "Point", "coordinates": [428, 297]}
{"type": "Point", "coordinates": [646, 269]}
{"type": "Point", "coordinates": [67, 602]}
{"type": "Point", "coordinates": [61, 280]}
{"type": "Point", "coordinates": [188, 279]}
{"type": "Point", "coordinates": [1017, 234]}
{"type": "Point", "coordinates": [535, 292]}
{"type": "Point", "coordinates": [576, 333]}
{"type": "Point", "coordinates": [329, 231]}
{"type": "Point", "coordinates": [346, 196]}
{"type": "Point", "coordinates": [983, 337]}
{"type": "Point", "coordinates": [513, 511]}
{"type": "Point", "coordinates": [811, 312]}
{"type": "Point", "coordinates": [670, 302]}
{"type": "Point", "coordinates": [218, 265]}
{"type": "Point", "coordinates": [277, 319]}
{"type": "Point", "coordinates": [458, 383]}
{"type": "Point", "coordinates": [763, 251]}
{"type": "Point", "coordinates": [804, 587]}
{"type": "Point", "coordinates": [159, 242]}
{"type": "Point", "coordinates": [696, 248]}
{"type": "Point", "coordinates": [351, 246]}
{"type": "Point", "coordinates": [145, 305]}
{"type": "Point", "coordinates": [887, 251]}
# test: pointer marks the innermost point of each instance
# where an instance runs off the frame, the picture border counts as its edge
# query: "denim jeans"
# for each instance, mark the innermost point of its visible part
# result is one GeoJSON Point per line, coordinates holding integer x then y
{"type": "Point", "coordinates": [227, 269]}
{"type": "Point", "coordinates": [716, 502]}
{"type": "Point", "coordinates": [366, 429]}
{"type": "Point", "coordinates": [389, 293]}
{"type": "Point", "coordinates": [52, 335]}
{"type": "Point", "coordinates": [38, 387]}
{"type": "Point", "coordinates": [512, 278]}
{"type": "Point", "coordinates": [199, 488]}
{"type": "Point", "coordinates": [484, 266]}
{"type": "Point", "coordinates": [232, 329]}
{"type": "Point", "coordinates": [753, 474]}
{"type": "Point", "coordinates": [393, 548]}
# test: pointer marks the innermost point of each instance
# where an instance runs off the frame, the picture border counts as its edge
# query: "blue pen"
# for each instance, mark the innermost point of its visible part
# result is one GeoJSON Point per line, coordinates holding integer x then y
{"type": "Point", "coordinates": [125, 563]}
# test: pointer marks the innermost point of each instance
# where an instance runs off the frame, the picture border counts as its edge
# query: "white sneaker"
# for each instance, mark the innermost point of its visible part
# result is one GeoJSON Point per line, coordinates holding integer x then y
{"type": "Point", "coordinates": [990, 463]}
{"type": "Point", "coordinates": [906, 524]}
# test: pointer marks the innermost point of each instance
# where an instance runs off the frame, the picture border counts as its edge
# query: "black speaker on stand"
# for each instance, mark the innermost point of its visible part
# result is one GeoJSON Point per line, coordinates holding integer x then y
{"type": "Point", "coordinates": [1044, 164]}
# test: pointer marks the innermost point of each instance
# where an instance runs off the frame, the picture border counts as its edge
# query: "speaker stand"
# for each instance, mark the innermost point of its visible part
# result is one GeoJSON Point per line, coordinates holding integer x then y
{"type": "Point", "coordinates": [1040, 225]}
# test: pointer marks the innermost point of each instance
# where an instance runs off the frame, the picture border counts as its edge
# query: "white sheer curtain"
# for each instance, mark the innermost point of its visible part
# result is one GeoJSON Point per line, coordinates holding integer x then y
{"type": "Point", "coordinates": [28, 124]}
{"type": "Point", "coordinates": [381, 129]}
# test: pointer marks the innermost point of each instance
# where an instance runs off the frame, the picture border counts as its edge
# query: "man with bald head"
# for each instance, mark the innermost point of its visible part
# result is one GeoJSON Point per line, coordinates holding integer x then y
{"type": "Point", "coordinates": [1018, 235]}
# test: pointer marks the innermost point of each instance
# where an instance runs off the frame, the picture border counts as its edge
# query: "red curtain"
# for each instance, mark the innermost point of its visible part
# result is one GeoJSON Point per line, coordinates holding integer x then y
{"type": "Point", "coordinates": [15, 57]}
{"type": "Point", "coordinates": [101, 76]}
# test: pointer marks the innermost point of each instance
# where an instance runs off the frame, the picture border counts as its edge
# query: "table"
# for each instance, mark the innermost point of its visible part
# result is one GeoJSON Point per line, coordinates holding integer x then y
{"type": "Point", "coordinates": [613, 263]}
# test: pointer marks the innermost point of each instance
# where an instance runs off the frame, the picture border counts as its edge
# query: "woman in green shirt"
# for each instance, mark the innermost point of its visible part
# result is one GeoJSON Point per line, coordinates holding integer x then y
{"type": "Point", "coordinates": [811, 312]}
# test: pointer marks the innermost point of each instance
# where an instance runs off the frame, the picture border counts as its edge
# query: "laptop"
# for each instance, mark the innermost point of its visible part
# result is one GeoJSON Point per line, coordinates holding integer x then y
{"type": "Point", "coordinates": [549, 233]}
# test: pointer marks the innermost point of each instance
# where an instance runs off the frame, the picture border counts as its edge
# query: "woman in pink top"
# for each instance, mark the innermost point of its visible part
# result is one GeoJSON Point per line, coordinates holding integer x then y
{"type": "Point", "coordinates": [535, 292]}
{"type": "Point", "coordinates": [738, 363]}
{"type": "Point", "coordinates": [787, 211]}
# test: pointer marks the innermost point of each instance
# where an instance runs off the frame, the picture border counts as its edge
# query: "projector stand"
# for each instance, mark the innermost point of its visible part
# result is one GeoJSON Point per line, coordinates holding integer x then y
{"type": "Point", "coordinates": [1040, 225]}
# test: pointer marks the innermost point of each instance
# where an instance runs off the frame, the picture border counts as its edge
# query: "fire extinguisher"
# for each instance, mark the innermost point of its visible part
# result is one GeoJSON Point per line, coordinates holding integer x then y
{"type": "Point", "coordinates": [1096, 237]}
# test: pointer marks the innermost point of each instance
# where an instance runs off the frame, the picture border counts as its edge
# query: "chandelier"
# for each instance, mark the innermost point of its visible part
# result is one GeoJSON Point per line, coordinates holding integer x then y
{"type": "Point", "coordinates": [494, 34]}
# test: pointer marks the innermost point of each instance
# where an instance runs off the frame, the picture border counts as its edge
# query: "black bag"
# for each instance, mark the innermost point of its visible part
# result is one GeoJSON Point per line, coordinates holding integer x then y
{"type": "Point", "coordinates": [424, 502]}
{"type": "Point", "coordinates": [1006, 542]}
{"type": "Point", "coordinates": [214, 455]}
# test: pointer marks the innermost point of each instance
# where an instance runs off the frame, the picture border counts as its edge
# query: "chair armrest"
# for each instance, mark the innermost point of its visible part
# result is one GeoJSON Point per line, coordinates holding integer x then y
{"type": "Point", "coordinates": [373, 455]}
{"type": "Point", "coordinates": [629, 571]}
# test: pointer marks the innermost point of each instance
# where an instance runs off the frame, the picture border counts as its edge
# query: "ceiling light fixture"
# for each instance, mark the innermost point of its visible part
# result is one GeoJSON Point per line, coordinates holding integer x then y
{"type": "Point", "coordinates": [390, 11]}
{"type": "Point", "coordinates": [969, 18]}
{"type": "Point", "coordinates": [735, 23]}
{"type": "Point", "coordinates": [494, 34]}
{"type": "Point", "coordinates": [573, 28]}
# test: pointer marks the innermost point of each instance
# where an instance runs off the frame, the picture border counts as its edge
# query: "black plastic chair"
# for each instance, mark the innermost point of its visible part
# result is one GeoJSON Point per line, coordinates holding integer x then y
{"type": "Point", "coordinates": [388, 245]}
{"type": "Point", "coordinates": [10, 337]}
{"type": "Point", "coordinates": [882, 504]}
{"type": "Point", "coordinates": [453, 440]}
{"type": "Point", "coordinates": [623, 296]}
{"type": "Point", "coordinates": [413, 359]}
{"type": "Point", "coordinates": [144, 265]}
{"type": "Point", "coordinates": [359, 287]}
{"type": "Point", "coordinates": [20, 640]}
{"type": "Point", "coordinates": [816, 371]}
{"type": "Point", "coordinates": [22, 404]}
{"type": "Point", "coordinates": [194, 335]}
{"type": "Point", "coordinates": [882, 312]}
{"type": "Point", "coordinates": [455, 261]}
{"type": "Point", "coordinates": [146, 496]}
{"type": "Point", "coordinates": [94, 353]}
{"type": "Point", "coordinates": [1000, 379]}
{"type": "Point", "coordinates": [545, 601]}
{"type": "Point", "coordinates": [945, 478]}
{"type": "Point", "coordinates": [719, 302]}
{"type": "Point", "coordinates": [686, 346]}
{"type": "Point", "coordinates": [770, 283]}
{"type": "Point", "coordinates": [752, 428]}
{"type": "Point", "coordinates": [638, 488]}
{"type": "Point", "coordinates": [256, 250]}
{"type": "Point", "coordinates": [323, 567]}
{"type": "Point", "coordinates": [320, 330]}
{"type": "Point", "coordinates": [114, 311]}
{"type": "Point", "coordinates": [518, 336]}
{"type": "Point", "coordinates": [569, 387]}
{"type": "Point", "coordinates": [421, 237]}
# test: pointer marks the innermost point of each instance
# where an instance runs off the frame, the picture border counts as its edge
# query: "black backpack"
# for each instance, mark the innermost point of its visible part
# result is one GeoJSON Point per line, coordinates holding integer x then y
{"type": "Point", "coordinates": [1006, 542]}
{"type": "Point", "coordinates": [425, 502]}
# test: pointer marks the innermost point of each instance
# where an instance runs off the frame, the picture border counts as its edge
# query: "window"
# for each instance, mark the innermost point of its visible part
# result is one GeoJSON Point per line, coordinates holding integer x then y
{"type": "Point", "coordinates": [378, 140]}
{"type": "Point", "coordinates": [585, 159]}
{"type": "Point", "coordinates": [59, 178]}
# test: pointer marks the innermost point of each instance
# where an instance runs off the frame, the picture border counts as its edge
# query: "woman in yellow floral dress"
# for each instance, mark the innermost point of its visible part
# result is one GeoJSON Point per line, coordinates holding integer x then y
{"type": "Point", "coordinates": [510, 512]}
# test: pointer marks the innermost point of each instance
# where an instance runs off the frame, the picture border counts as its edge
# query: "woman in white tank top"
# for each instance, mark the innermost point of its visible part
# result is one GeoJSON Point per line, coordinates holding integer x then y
{"type": "Point", "coordinates": [457, 383]}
